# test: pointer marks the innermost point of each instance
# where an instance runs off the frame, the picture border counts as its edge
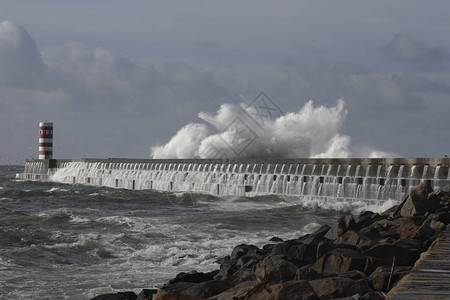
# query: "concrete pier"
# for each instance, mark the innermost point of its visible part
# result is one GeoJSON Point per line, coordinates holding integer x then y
{"type": "Point", "coordinates": [344, 179]}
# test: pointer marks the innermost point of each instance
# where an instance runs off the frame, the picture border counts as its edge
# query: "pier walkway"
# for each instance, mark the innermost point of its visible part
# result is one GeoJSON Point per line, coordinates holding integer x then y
{"type": "Point", "coordinates": [430, 277]}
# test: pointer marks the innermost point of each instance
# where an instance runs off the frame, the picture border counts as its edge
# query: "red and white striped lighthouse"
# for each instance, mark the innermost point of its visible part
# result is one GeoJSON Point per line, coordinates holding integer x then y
{"type": "Point", "coordinates": [45, 140]}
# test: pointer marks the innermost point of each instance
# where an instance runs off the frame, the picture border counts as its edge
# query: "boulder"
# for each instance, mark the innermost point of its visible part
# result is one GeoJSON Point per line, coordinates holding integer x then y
{"type": "Point", "coordinates": [345, 223]}
{"type": "Point", "coordinates": [241, 250]}
{"type": "Point", "coordinates": [315, 237]}
{"type": "Point", "coordinates": [367, 218]}
{"type": "Point", "coordinates": [334, 287]}
{"type": "Point", "coordinates": [275, 239]}
{"type": "Point", "coordinates": [307, 273]}
{"type": "Point", "coordinates": [292, 290]}
{"type": "Point", "coordinates": [295, 252]}
{"type": "Point", "coordinates": [417, 202]}
{"type": "Point", "coordinates": [207, 289]}
{"type": "Point", "coordinates": [147, 294]}
{"type": "Point", "coordinates": [193, 276]}
{"type": "Point", "coordinates": [430, 228]}
{"type": "Point", "coordinates": [404, 227]}
{"type": "Point", "coordinates": [117, 296]}
{"type": "Point", "coordinates": [239, 291]}
{"type": "Point", "coordinates": [379, 278]}
{"type": "Point", "coordinates": [174, 296]}
{"type": "Point", "coordinates": [403, 256]}
{"type": "Point", "coordinates": [339, 261]}
{"type": "Point", "coordinates": [275, 269]}
{"type": "Point", "coordinates": [355, 238]}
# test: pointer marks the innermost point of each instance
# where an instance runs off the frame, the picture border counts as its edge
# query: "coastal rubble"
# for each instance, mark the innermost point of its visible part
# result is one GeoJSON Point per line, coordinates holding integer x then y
{"type": "Point", "coordinates": [364, 258]}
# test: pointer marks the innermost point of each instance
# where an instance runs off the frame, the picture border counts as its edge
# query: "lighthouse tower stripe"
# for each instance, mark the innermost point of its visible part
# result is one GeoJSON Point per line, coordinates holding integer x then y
{"type": "Point", "coordinates": [45, 140]}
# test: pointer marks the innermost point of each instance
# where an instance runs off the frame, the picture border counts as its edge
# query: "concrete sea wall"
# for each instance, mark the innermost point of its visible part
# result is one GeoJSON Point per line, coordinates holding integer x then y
{"type": "Point", "coordinates": [347, 179]}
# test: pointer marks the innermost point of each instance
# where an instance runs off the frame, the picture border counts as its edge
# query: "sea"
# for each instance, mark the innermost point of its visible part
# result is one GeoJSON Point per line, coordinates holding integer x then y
{"type": "Point", "coordinates": [64, 241]}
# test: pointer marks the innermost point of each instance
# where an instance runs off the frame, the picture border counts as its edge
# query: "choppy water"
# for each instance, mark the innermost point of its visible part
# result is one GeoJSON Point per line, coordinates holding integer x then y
{"type": "Point", "coordinates": [76, 242]}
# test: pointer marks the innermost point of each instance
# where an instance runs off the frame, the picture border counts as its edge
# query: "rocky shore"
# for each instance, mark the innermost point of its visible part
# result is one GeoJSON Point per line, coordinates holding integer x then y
{"type": "Point", "coordinates": [366, 257]}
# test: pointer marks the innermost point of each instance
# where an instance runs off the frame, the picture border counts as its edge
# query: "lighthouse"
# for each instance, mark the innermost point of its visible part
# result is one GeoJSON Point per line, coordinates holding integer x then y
{"type": "Point", "coordinates": [45, 140]}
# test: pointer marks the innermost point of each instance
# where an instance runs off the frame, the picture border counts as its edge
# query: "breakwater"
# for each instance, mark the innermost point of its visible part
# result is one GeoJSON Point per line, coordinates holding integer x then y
{"type": "Point", "coordinates": [346, 179]}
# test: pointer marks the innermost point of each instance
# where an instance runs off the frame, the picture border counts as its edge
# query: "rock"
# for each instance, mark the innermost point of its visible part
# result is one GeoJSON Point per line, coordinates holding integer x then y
{"type": "Point", "coordinates": [117, 296]}
{"type": "Point", "coordinates": [430, 228]}
{"type": "Point", "coordinates": [379, 279]}
{"type": "Point", "coordinates": [241, 250]}
{"type": "Point", "coordinates": [275, 239]}
{"type": "Point", "coordinates": [354, 275]}
{"type": "Point", "coordinates": [403, 256]}
{"type": "Point", "coordinates": [307, 273]}
{"type": "Point", "coordinates": [177, 287]}
{"type": "Point", "coordinates": [292, 290]}
{"type": "Point", "coordinates": [274, 269]}
{"type": "Point", "coordinates": [239, 291]}
{"type": "Point", "coordinates": [298, 254]}
{"type": "Point", "coordinates": [323, 247]}
{"type": "Point", "coordinates": [417, 202]}
{"type": "Point", "coordinates": [207, 289]}
{"type": "Point", "coordinates": [352, 237]}
{"type": "Point", "coordinates": [446, 189]}
{"type": "Point", "coordinates": [174, 296]}
{"type": "Point", "coordinates": [405, 227]}
{"type": "Point", "coordinates": [338, 287]}
{"type": "Point", "coordinates": [315, 237]}
{"type": "Point", "coordinates": [345, 223]}
{"type": "Point", "coordinates": [339, 261]}
{"type": "Point", "coordinates": [193, 276]}
{"type": "Point", "coordinates": [147, 294]}
{"type": "Point", "coordinates": [367, 218]}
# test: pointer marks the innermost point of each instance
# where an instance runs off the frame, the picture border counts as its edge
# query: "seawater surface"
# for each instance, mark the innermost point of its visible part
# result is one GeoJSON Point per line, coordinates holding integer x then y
{"type": "Point", "coordinates": [76, 242]}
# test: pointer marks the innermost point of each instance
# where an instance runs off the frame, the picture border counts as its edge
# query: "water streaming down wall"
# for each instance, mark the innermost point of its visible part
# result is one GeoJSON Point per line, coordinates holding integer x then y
{"type": "Point", "coordinates": [369, 179]}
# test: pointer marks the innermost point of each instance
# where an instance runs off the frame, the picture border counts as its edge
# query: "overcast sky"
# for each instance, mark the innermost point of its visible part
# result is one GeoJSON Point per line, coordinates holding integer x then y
{"type": "Point", "coordinates": [118, 77]}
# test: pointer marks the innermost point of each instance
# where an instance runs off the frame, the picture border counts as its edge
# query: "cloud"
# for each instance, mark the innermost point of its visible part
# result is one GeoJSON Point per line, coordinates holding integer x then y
{"type": "Point", "coordinates": [20, 61]}
{"type": "Point", "coordinates": [404, 48]}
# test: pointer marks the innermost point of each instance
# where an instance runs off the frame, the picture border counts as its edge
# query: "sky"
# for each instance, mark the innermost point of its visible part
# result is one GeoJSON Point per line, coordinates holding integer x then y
{"type": "Point", "coordinates": [121, 78]}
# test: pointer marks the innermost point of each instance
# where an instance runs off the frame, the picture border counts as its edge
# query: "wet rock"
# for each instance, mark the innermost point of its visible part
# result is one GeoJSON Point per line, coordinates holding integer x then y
{"type": "Point", "coordinates": [193, 276]}
{"type": "Point", "coordinates": [177, 287]}
{"type": "Point", "coordinates": [403, 256]}
{"type": "Point", "coordinates": [339, 261]}
{"type": "Point", "coordinates": [276, 239]}
{"type": "Point", "coordinates": [379, 279]}
{"type": "Point", "coordinates": [241, 250]}
{"type": "Point", "coordinates": [307, 273]}
{"type": "Point", "coordinates": [417, 202]}
{"type": "Point", "coordinates": [292, 290]}
{"type": "Point", "coordinates": [355, 238]}
{"type": "Point", "coordinates": [239, 291]}
{"type": "Point", "coordinates": [147, 294]}
{"type": "Point", "coordinates": [207, 289]}
{"type": "Point", "coordinates": [275, 269]}
{"type": "Point", "coordinates": [367, 218]}
{"type": "Point", "coordinates": [345, 223]}
{"type": "Point", "coordinates": [117, 296]}
{"type": "Point", "coordinates": [429, 228]}
{"type": "Point", "coordinates": [315, 237]}
{"type": "Point", "coordinates": [327, 288]}
{"type": "Point", "coordinates": [174, 296]}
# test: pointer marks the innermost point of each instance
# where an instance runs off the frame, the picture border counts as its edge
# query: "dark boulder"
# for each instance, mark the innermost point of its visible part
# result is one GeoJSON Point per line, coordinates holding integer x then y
{"type": "Point", "coordinates": [147, 294]}
{"type": "Point", "coordinates": [418, 203]}
{"type": "Point", "coordinates": [276, 239]}
{"type": "Point", "coordinates": [193, 276]}
{"type": "Point", "coordinates": [403, 255]}
{"type": "Point", "coordinates": [275, 269]}
{"type": "Point", "coordinates": [292, 290]}
{"type": "Point", "coordinates": [241, 250]}
{"type": "Point", "coordinates": [336, 287]}
{"type": "Point", "coordinates": [355, 238]}
{"type": "Point", "coordinates": [340, 261]}
{"type": "Point", "coordinates": [117, 296]}
{"type": "Point", "coordinates": [174, 296]}
{"type": "Point", "coordinates": [345, 223]}
{"type": "Point", "coordinates": [237, 292]}
{"type": "Point", "coordinates": [307, 273]}
{"type": "Point", "coordinates": [207, 289]}
{"type": "Point", "coordinates": [379, 279]}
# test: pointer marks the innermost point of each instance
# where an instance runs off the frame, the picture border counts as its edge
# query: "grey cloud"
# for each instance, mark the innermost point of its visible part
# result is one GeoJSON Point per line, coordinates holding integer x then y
{"type": "Point", "coordinates": [20, 61]}
{"type": "Point", "coordinates": [404, 48]}
{"type": "Point", "coordinates": [413, 82]}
